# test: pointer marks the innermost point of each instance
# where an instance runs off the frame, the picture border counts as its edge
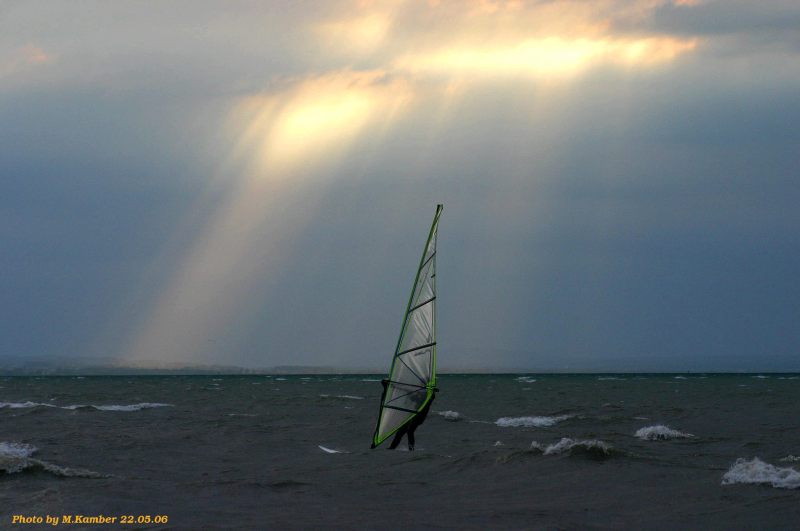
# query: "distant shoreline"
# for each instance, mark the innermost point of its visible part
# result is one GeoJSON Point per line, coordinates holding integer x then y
{"type": "Point", "coordinates": [133, 372]}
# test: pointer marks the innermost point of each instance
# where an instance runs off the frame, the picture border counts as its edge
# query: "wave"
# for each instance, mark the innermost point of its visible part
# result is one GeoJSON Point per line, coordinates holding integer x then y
{"type": "Point", "coordinates": [530, 422]}
{"type": "Point", "coordinates": [16, 457]}
{"type": "Point", "coordinates": [453, 416]}
{"type": "Point", "coordinates": [331, 450]}
{"type": "Point", "coordinates": [790, 459]}
{"type": "Point", "coordinates": [347, 397]}
{"type": "Point", "coordinates": [526, 379]}
{"type": "Point", "coordinates": [758, 472]}
{"type": "Point", "coordinates": [660, 432]}
{"type": "Point", "coordinates": [23, 405]}
{"type": "Point", "coordinates": [605, 378]}
{"type": "Point", "coordinates": [590, 447]}
{"type": "Point", "coordinates": [111, 407]}
{"type": "Point", "coordinates": [130, 407]}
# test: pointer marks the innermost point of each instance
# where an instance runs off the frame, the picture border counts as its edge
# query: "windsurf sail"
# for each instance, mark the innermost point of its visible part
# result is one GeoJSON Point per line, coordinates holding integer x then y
{"type": "Point", "coordinates": [412, 376]}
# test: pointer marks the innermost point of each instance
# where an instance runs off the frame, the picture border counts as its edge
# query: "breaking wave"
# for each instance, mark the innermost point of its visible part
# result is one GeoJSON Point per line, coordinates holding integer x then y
{"type": "Point", "coordinates": [453, 416]}
{"type": "Point", "coordinates": [790, 459]}
{"type": "Point", "coordinates": [22, 405]}
{"type": "Point", "coordinates": [660, 433]}
{"type": "Point", "coordinates": [111, 407]}
{"type": "Point", "coordinates": [530, 422]}
{"type": "Point", "coordinates": [347, 397]}
{"type": "Point", "coordinates": [16, 457]}
{"type": "Point", "coordinates": [526, 379]}
{"type": "Point", "coordinates": [591, 447]}
{"type": "Point", "coordinates": [758, 472]}
{"type": "Point", "coordinates": [129, 407]}
{"type": "Point", "coordinates": [331, 450]}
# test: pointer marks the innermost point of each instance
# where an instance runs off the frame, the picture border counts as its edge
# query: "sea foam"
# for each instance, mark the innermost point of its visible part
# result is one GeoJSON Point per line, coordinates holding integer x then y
{"type": "Point", "coordinates": [567, 445]}
{"type": "Point", "coordinates": [16, 457]}
{"type": "Point", "coordinates": [346, 397]}
{"type": "Point", "coordinates": [757, 471]}
{"type": "Point", "coordinates": [530, 422]}
{"type": "Point", "coordinates": [111, 407]}
{"type": "Point", "coordinates": [453, 416]}
{"type": "Point", "coordinates": [23, 405]}
{"type": "Point", "coordinates": [130, 407]}
{"type": "Point", "coordinates": [660, 433]}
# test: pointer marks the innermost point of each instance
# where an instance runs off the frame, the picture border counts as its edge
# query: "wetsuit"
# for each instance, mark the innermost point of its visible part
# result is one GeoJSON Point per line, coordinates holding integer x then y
{"type": "Point", "coordinates": [411, 427]}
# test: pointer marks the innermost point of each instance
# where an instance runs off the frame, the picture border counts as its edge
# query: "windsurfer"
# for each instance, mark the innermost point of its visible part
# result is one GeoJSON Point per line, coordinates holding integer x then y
{"type": "Point", "coordinates": [410, 427]}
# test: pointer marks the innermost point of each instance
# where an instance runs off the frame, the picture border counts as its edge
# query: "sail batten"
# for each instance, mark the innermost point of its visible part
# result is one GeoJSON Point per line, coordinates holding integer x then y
{"type": "Point", "coordinates": [416, 348]}
{"type": "Point", "coordinates": [403, 396]}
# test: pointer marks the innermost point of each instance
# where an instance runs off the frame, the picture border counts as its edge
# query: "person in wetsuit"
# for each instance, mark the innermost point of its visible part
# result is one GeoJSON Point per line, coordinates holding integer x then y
{"type": "Point", "coordinates": [410, 427]}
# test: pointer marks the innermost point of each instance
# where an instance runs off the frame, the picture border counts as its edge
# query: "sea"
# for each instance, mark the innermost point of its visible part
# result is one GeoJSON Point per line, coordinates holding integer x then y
{"type": "Point", "coordinates": [497, 451]}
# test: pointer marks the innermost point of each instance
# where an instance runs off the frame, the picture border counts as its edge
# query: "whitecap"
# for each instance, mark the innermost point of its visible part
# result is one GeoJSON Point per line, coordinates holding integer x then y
{"type": "Point", "coordinates": [526, 379]}
{"type": "Point", "coordinates": [679, 377]}
{"type": "Point", "coordinates": [16, 457]}
{"type": "Point", "coordinates": [12, 449]}
{"type": "Point", "coordinates": [346, 397]}
{"type": "Point", "coordinates": [660, 432]}
{"type": "Point", "coordinates": [790, 459]}
{"type": "Point", "coordinates": [130, 407]}
{"type": "Point", "coordinates": [453, 416]}
{"type": "Point", "coordinates": [760, 377]}
{"type": "Point", "coordinates": [23, 405]}
{"type": "Point", "coordinates": [567, 446]}
{"type": "Point", "coordinates": [758, 472]}
{"type": "Point", "coordinates": [530, 422]}
{"type": "Point", "coordinates": [331, 450]}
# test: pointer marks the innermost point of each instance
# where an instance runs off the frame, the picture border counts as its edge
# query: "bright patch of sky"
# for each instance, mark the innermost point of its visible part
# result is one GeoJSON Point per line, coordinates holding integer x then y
{"type": "Point", "coordinates": [251, 183]}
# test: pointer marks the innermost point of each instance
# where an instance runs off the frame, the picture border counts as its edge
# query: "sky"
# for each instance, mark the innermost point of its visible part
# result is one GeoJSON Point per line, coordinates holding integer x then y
{"type": "Point", "coordinates": [251, 183]}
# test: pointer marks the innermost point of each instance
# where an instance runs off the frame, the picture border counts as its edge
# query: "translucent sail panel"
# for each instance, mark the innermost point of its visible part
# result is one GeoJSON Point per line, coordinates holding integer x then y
{"type": "Point", "coordinates": [417, 336]}
{"type": "Point", "coordinates": [401, 403]}
{"type": "Point", "coordinates": [424, 289]}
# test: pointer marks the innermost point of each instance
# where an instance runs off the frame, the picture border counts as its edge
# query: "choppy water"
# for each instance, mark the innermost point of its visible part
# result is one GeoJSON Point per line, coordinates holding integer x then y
{"type": "Point", "coordinates": [497, 451]}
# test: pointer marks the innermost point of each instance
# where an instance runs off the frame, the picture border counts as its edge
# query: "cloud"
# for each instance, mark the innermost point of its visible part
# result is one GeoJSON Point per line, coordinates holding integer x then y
{"type": "Point", "coordinates": [22, 61]}
{"type": "Point", "coordinates": [252, 187]}
{"type": "Point", "coordinates": [712, 18]}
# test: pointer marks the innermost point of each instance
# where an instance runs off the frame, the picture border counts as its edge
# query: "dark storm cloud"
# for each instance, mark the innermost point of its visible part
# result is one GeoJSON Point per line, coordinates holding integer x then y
{"type": "Point", "coordinates": [626, 219]}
